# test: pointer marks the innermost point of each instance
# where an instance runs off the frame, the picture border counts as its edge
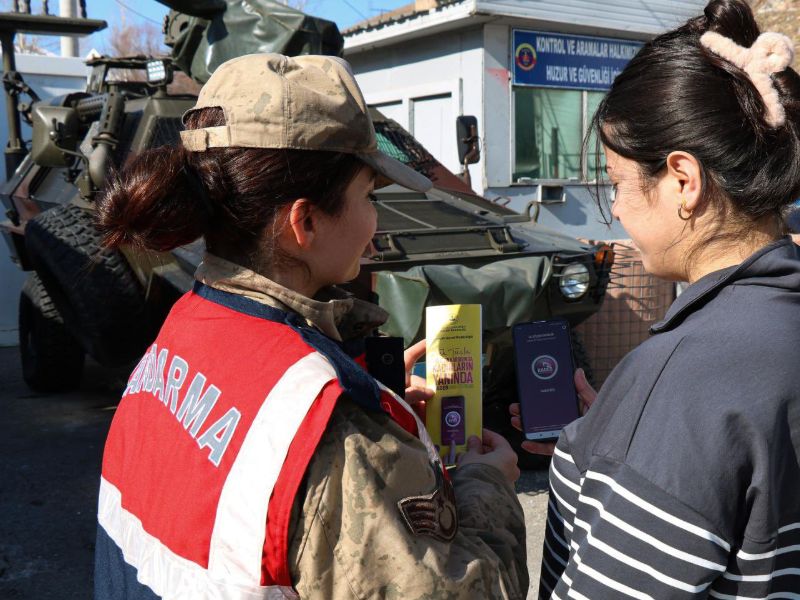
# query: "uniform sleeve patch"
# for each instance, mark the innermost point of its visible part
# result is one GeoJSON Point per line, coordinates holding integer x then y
{"type": "Point", "coordinates": [432, 514]}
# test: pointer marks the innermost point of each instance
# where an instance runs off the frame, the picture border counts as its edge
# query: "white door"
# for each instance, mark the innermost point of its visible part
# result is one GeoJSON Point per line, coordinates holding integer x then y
{"type": "Point", "coordinates": [434, 125]}
{"type": "Point", "coordinates": [395, 111]}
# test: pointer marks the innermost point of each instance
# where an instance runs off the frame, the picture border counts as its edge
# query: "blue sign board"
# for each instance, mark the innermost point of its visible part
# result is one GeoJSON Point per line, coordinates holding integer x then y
{"type": "Point", "coordinates": [555, 60]}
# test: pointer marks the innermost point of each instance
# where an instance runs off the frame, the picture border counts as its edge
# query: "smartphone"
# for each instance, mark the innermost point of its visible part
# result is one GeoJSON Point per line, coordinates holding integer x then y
{"type": "Point", "coordinates": [384, 358]}
{"type": "Point", "coordinates": [545, 378]}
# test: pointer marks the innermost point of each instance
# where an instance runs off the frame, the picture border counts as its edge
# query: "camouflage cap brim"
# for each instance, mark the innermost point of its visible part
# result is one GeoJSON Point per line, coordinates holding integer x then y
{"type": "Point", "coordinates": [390, 170]}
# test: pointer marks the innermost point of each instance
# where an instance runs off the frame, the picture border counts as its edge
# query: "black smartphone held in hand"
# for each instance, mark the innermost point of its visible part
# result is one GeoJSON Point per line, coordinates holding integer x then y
{"type": "Point", "coordinates": [545, 378]}
{"type": "Point", "coordinates": [384, 358]}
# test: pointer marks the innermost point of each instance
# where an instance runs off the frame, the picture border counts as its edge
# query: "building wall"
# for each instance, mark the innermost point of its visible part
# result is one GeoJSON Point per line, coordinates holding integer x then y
{"type": "Point", "coordinates": [393, 70]}
{"type": "Point", "coordinates": [425, 84]}
{"type": "Point", "coordinates": [473, 66]}
{"type": "Point", "coordinates": [497, 106]}
{"type": "Point", "coordinates": [49, 76]}
{"type": "Point", "coordinates": [579, 214]}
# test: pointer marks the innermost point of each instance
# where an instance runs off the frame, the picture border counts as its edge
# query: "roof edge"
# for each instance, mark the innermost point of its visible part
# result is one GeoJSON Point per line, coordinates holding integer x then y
{"type": "Point", "coordinates": [443, 17]}
{"type": "Point", "coordinates": [428, 17]}
{"type": "Point", "coordinates": [401, 13]}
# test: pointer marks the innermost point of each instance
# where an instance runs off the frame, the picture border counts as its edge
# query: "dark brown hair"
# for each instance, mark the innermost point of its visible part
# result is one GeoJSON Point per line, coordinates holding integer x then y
{"type": "Point", "coordinates": [677, 95]}
{"type": "Point", "coordinates": [167, 197]}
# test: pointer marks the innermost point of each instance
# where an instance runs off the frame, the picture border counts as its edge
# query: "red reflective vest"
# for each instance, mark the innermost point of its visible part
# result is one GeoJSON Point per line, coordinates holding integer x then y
{"type": "Point", "coordinates": [208, 448]}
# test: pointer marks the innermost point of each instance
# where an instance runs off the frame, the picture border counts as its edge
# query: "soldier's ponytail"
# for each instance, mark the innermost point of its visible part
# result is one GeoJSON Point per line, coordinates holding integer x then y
{"type": "Point", "coordinates": [158, 202]}
{"type": "Point", "coordinates": [167, 197]}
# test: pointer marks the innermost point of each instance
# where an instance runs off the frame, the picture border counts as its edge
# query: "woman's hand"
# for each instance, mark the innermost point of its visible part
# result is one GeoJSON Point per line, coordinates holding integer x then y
{"type": "Point", "coordinates": [417, 394]}
{"type": "Point", "coordinates": [586, 395]}
{"type": "Point", "coordinates": [492, 450]}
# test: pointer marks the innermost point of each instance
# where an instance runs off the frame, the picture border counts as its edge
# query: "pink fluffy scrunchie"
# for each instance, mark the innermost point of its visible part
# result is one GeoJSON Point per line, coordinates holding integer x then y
{"type": "Point", "coordinates": [770, 53]}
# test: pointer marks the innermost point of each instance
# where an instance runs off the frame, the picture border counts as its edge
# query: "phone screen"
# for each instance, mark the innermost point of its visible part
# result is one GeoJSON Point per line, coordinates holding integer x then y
{"type": "Point", "coordinates": [453, 420]}
{"type": "Point", "coordinates": [545, 377]}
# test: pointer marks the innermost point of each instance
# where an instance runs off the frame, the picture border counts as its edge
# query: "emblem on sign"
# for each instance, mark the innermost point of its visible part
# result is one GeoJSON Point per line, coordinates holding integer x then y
{"type": "Point", "coordinates": [525, 57]}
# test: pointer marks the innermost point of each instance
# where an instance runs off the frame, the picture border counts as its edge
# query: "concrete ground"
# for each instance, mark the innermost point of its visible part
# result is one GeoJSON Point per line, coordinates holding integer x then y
{"type": "Point", "coordinates": [532, 494]}
{"type": "Point", "coordinates": [50, 452]}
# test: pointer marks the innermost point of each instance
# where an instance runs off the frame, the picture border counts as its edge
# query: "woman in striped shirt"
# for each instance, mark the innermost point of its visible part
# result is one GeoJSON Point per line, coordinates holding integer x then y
{"type": "Point", "coordinates": [683, 480]}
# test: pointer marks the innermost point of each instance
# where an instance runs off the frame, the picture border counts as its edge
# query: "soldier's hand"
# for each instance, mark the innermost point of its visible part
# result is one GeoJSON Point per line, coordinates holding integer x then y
{"type": "Point", "coordinates": [417, 394]}
{"type": "Point", "coordinates": [492, 450]}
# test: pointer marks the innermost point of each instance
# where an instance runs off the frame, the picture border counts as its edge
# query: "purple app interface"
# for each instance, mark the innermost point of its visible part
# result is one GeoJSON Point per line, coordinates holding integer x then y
{"type": "Point", "coordinates": [545, 376]}
{"type": "Point", "coordinates": [453, 430]}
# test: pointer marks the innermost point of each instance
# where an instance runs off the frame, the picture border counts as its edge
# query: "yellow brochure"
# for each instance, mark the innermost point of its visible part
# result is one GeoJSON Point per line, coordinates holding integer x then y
{"type": "Point", "coordinates": [453, 371]}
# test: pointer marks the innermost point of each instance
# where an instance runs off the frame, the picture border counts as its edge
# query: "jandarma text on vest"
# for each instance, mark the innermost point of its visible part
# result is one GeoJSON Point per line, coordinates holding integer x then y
{"type": "Point", "coordinates": [192, 407]}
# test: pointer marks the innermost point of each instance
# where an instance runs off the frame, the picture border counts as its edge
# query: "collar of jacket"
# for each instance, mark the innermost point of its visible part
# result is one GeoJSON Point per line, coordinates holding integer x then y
{"type": "Point", "coordinates": [333, 311]}
{"type": "Point", "coordinates": [769, 262]}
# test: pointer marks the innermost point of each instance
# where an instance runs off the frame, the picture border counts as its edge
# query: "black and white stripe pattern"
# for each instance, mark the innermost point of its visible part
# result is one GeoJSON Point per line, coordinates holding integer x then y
{"type": "Point", "coordinates": [770, 570]}
{"type": "Point", "coordinates": [613, 534]}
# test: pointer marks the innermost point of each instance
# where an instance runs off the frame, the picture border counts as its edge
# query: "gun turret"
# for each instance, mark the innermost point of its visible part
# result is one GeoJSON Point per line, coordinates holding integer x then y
{"type": "Point", "coordinates": [205, 34]}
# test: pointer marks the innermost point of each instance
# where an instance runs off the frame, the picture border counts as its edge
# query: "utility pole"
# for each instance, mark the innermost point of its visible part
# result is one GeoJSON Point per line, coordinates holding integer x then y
{"type": "Point", "coordinates": [69, 45]}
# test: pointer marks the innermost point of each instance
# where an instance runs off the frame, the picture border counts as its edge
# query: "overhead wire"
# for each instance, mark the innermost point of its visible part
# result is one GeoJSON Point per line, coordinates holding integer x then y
{"type": "Point", "coordinates": [136, 12]}
{"type": "Point", "coordinates": [362, 15]}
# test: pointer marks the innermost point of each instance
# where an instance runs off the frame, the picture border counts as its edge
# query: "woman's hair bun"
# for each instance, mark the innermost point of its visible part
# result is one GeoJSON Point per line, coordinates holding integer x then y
{"type": "Point", "coordinates": [154, 202]}
{"type": "Point", "coordinates": [680, 93]}
{"type": "Point", "coordinates": [733, 19]}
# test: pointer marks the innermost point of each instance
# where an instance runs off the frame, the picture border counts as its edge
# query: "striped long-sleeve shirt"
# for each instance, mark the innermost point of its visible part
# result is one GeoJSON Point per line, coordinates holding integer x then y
{"type": "Point", "coordinates": [683, 481]}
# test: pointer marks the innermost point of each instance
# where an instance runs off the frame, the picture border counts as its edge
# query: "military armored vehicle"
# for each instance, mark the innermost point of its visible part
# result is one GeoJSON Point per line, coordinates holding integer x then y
{"type": "Point", "coordinates": [445, 246]}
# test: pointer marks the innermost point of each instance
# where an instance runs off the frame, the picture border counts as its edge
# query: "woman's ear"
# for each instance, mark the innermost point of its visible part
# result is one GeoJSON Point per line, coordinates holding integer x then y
{"type": "Point", "coordinates": [687, 174]}
{"type": "Point", "coordinates": [302, 222]}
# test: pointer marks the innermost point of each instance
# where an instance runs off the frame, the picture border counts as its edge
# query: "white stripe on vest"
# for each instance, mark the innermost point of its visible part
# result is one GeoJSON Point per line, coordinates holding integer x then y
{"type": "Point", "coordinates": [237, 542]}
{"type": "Point", "coordinates": [170, 576]}
{"type": "Point", "coordinates": [424, 436]}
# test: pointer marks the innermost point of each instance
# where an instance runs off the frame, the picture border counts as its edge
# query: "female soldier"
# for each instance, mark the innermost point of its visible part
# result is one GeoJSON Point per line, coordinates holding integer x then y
{"type": "Point", "coordinates": [250, 456]}
{"type": "Point", "coordinates": [683, 480]}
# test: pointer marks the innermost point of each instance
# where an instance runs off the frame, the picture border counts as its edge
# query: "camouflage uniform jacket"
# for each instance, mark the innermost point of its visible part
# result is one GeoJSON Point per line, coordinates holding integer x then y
{"type": "Point", "coordinates": [358, 528]}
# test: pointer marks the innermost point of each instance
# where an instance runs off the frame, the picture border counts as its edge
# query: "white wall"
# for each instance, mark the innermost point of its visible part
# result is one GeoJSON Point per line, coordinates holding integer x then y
{"type": "Point", "coordinates": [49, 76]}
{"type": "Point", "coordinates": [424, 84]}
{"type": "Point", "coordinates": [498, 138]}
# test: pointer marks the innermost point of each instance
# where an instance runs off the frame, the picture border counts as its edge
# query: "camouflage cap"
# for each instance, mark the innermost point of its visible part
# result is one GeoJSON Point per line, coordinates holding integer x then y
{"type": "Point", "coordinates": [304, 102]}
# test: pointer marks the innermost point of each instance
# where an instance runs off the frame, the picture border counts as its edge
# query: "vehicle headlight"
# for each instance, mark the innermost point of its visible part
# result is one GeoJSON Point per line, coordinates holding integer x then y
{"type": "Point", "coordinates": [574, 281]}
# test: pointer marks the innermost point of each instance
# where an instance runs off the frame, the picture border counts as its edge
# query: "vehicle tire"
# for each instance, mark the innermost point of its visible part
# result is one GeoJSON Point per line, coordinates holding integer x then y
{"type": "Point", "coordinates": [52, 359]}
{"type": "Point", "coordinates": [94, 289]}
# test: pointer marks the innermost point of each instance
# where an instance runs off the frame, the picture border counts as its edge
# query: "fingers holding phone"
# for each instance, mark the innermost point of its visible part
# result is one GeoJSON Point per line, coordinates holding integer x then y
{"type": "Point", "coordinates": [410, 356]}
{"type": "Point", "coordinates": [545, 378]}
{"type": "Point", "coordinates": [494, 450]}
{"type": "Point", "coordinates": [543, 448]}
{"type": "Point", "coordinates": [582, 399]}
{"type": "Point", "coordinates": [586, 393]}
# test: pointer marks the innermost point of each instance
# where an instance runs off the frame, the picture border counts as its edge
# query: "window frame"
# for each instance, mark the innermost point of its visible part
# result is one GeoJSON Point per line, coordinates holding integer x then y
{"type": "Point", "coordinates": [585, 123]}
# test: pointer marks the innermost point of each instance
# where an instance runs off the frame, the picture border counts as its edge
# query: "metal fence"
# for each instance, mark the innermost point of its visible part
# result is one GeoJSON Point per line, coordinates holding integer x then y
{"type": "Point", "coordinates": [634, 301]}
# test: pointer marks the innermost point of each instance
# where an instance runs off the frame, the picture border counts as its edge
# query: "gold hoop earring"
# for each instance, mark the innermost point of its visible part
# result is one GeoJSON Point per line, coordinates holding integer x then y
{"type": "Point", "coordinates": [681, 208]}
